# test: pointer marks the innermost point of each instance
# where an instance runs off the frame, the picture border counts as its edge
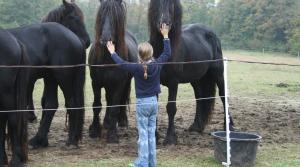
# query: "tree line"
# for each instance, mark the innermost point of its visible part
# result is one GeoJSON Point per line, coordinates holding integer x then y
{"type": "Point", "coordinates": [241, 24]}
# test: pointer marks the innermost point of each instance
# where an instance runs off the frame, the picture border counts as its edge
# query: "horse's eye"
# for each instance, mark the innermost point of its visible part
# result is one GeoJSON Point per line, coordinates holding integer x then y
{"type": "Point", "coordinates": [70, 17]}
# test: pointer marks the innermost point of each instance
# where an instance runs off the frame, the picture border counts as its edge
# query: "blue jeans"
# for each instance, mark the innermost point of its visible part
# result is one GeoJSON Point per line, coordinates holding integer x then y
{"type": "Point", "coordinates": [146, 112]}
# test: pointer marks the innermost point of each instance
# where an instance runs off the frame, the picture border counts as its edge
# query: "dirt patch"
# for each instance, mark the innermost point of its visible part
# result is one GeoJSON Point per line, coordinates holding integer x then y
{"type": "Point", "coordinates": [277, 124]}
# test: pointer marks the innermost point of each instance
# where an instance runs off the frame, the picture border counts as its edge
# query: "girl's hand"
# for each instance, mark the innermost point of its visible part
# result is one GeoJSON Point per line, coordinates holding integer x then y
{"type": "Point", "coordinates": [164, 30]}
{"type": "Point", "coordinates": [111, 47]}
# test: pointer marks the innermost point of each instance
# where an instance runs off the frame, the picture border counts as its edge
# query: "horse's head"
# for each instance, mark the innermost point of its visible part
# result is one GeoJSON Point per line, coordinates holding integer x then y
{"type": "Point", "coordinates": [71, 16]}
{"type": "Point", "coordinates": [110, 25]}
{"type": "Point", "coordinates": [170, 13]}
{"type": "Point", "coordinates": [73, 19]}
{"type": "Point", "coordinates": [165, 11]}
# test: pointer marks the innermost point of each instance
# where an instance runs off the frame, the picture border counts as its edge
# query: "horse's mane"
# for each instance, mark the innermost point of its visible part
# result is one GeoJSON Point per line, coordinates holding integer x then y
{"type": "Point", "coordinates": [56, 14]}
{"type": "Point", "coordinates": [117, 12]}
{"type": "Point", "coordinates": [155, 35]}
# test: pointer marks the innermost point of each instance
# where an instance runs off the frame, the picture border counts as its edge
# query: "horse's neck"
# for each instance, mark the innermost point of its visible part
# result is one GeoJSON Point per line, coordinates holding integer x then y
{"type": "Point", "coordinates": [104, 53]}
{"type": "Point", "coordinates": [158, 45]}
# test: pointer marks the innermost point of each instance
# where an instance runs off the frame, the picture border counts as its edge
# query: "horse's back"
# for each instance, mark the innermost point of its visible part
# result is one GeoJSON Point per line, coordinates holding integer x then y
{"type": "Point", "coordinates": [49, 43]}
{"type": "Point", "coordinates": [196, 42]}
{"type": "Point", "coordinates": [195, 45]}
{"type": "Point", "coordinates": [10, 54]}
{"type": "Point", "coordinates": [63, 43]}
{"type": "Point", "coordinates": [9, 48]}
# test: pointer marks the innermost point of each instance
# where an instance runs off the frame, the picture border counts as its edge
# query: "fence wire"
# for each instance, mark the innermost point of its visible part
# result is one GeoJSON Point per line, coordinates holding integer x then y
{"type": "Point", "coordinates": [166, 63]}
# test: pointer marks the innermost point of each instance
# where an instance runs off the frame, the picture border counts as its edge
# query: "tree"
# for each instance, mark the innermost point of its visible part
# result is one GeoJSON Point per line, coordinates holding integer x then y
{"type": "Point", "coordinates": [255, 24]}
{"type": "Point", "coordinates": [16, 13]}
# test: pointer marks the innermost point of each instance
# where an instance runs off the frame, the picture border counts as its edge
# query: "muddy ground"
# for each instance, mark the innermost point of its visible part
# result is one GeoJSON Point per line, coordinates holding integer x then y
{"type": "Point", "coordinates": [277, 123]}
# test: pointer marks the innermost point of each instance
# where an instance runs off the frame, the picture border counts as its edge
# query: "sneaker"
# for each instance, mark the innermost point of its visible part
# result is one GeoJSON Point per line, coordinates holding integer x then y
{"type": "Point", "coordinates": [131, 165]}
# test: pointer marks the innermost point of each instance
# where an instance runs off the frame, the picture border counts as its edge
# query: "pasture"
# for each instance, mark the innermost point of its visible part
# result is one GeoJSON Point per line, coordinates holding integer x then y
{"type": "Point", "coordinates": [264, 99]}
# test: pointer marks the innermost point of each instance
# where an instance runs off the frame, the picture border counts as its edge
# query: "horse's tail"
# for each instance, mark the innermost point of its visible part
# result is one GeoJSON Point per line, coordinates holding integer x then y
{"type": "Point", "coordinates": [216, 48]}
{"type": "Point", "coordinates": [127, 91]}
{"type": "Point", "coordinates": [207, 85]}
{"type": "Point", "coordinates": [209, 82]}
{"type": "Point", "coordinates": [216, 70]}
{"type": "Point", "coordinates": [217, 66]}
{"type": "Point", "coordinates": [21, 85]}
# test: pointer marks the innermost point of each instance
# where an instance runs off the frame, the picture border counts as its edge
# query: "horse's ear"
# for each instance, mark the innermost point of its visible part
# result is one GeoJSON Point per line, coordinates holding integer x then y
{"type": "Point", "coordinates": [100, 1]}
{"type": "Point", "coordinates": [73, 1]}
{"type": "Point", "coordinates": [120, 1]}
{"type": "Point", "coordinates": [65, 2]}
{"type": "Point", "coordinates": [68, 7]}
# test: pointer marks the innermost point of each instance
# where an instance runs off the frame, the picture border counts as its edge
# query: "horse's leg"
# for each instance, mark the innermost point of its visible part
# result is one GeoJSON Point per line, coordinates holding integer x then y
{"type": "Point", "coordinates": [205, 88]}
{"type": "Point", "coordinates": [49, 101]}
{"type": "Point", "coordinates": [221, 86]}
{"type": "Point", "coordinates": [95, 127]}
{"type": "Point", "coordinates": [18, 137]}
{"type": "Point", "coordinates": [171, 137]}
{"type": "Point", "coordinates": [72, 86]}
{"type": "Point", "coordinates": [122, 118]}
{"type": "Point", "coordinates": [106, 121]}
{"type": "Point", "coordinates": [3, 156]}
{"type": "Point", "coordinates": [31, 116]}
{"type": "Point", "coordinates": [113, 98]}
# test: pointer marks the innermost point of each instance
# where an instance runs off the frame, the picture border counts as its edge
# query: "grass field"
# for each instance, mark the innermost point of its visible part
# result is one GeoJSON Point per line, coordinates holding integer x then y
{"type": "Point", "coordinates": [264, 82]}
{"type": "Point", "coordinates": [287, 155]}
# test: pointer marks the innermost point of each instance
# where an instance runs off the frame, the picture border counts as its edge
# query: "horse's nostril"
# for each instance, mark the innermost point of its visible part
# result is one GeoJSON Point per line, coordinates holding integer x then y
{"type": "Point", "coordinates": [102, 42]}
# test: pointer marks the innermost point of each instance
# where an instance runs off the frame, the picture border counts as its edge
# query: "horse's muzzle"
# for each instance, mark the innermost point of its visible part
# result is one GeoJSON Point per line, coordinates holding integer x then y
{"type": "Point", "coordinates": [161, 23]}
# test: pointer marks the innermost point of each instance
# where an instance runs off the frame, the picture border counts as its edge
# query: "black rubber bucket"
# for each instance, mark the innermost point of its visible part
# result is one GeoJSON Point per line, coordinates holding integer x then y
{"type": "Point", "coordinates": [243, 147]}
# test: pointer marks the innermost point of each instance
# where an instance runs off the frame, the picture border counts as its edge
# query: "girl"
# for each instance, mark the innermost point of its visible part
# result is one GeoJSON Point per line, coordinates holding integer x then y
{"type": "Point", "coordinates": [147, 86]}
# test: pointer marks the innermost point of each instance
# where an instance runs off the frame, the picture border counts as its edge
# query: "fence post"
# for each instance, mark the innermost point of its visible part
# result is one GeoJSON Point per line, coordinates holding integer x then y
{"type": "Point", "coordinates": [298, 54]}
{"type": "Point", "coordinates": [227, 120]}
{"type": "Point", "coordinates": [263, 51]}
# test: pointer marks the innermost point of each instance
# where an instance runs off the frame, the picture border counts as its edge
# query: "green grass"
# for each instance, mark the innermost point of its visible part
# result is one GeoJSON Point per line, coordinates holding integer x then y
{"type": "Point", "coordinates": [258, 79]}
{"type": "Point", "coordinates": [275, 156]}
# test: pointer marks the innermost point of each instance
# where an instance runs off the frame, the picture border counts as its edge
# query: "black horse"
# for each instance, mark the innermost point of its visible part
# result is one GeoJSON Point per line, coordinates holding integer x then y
{"type": "Point", "coordinates": [110, 25]}
{"type": "Point", "coordinates": [192, 42]}
{"type": "Point", "coordinates": [71, 16]}
{"type": "Point", "coordinates": [54, 44]}
{"type": "Point", "coordinates": [13, 96]}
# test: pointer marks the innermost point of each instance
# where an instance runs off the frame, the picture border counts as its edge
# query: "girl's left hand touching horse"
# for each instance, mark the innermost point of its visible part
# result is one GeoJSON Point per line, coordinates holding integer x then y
{"type": "Point", "coordinates": [111, 47]}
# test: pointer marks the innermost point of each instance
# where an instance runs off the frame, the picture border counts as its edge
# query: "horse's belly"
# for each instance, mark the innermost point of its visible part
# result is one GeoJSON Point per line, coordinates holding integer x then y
{"type": "Point", "coordinates": [191, 72]}
{"type": "Point", "coordinates": [183, 73]}
{"type": "Point", "coordinates": [112, 77]}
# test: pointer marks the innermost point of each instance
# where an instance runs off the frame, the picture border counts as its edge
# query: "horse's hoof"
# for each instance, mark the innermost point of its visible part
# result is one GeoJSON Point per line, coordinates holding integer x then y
{"type": "Point", "coordinates": [157, 136]}
{"type": "Point", "coordinates": [196, 128]}
{"type": "Point", "coordinates": [38, 142]}
{"type": "Point", "coordinates": [106, 124]}
{"type": "Point", "coordinates": [112, 137]}
{"type": "Point", "coordinates": [170, 140]}
{"type": "Point", "coordinates": [69, 146]}
{"type": "Point", "coordinates": [3, 160]}
{"type": "Point", "coordinates": [95, 131]}
{"type": "Point", "coordinates": [72, 143]}
{"type": "Point", "coordinates": [32, 118]}
{"type": "Point", "coordinates": [123, 123]}
{"type": "Point", "coordinates": [16, 162]}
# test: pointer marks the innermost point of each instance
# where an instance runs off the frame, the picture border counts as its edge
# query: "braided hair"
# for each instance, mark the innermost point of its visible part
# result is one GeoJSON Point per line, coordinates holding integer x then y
{"type": "Point", "coordinates": [145, 54]}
